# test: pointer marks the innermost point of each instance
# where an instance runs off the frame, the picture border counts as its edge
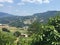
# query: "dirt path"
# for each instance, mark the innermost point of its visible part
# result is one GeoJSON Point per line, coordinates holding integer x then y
{"type": "Point", "coordinates": [16, 41]}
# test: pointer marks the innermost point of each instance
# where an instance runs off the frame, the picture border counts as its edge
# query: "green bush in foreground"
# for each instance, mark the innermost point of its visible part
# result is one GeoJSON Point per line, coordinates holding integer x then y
{"type": "Point", "coordinates": [6, 39]}
{"type": "Point", "coordinates": [48, 34]}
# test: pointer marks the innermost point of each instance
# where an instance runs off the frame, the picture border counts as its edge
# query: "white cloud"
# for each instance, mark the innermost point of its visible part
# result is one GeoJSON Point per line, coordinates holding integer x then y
{"type": "Point", "coordinates": [1, 5]}
{"type": "Point", "coordinates": [10, 1]}
{"type": "Point", "coordinates": [46, 1]}
{"type": "Point", "coordinates": [31, 1]}
{"type": "Point", "coordinates": [35, 1]}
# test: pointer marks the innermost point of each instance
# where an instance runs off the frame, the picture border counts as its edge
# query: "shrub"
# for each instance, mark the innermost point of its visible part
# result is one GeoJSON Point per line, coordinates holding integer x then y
{"type": "Point", "coordinates": [17, 34]}
{"type": "Point", "coordinates": [5, 29]}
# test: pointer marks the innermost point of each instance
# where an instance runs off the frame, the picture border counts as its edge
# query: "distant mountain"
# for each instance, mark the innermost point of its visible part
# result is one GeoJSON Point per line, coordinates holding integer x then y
{"type": "Point", "coordinates": [4, 15]}
{"type": "Point", "coordinates": [46, 15]}
{"type": "Point", "coordinates": [21, 21]}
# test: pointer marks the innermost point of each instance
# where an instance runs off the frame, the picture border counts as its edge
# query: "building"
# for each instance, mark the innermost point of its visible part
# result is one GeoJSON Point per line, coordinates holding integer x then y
{"type": "Point", "coordinates": [24, 35]}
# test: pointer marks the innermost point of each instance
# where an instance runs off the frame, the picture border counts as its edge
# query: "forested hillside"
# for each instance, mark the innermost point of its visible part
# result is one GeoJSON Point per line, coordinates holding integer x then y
{"type": "Point", "coordinates": [21, 21]}
{"type": "Point", "coordinates": [39, 34]}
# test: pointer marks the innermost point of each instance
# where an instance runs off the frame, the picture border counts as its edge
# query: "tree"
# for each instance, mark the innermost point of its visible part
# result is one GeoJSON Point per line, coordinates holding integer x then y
{"type": "Point", "coordinates": [17, 34]}
{"type": "Point", "coordinates": [49, 34]}
{"type": "Point", "coordinates": [34, 27]}
{"type": "Point", "coordinates": [5, 29]}
{"type": "Point", "coordinates": [55, 22]}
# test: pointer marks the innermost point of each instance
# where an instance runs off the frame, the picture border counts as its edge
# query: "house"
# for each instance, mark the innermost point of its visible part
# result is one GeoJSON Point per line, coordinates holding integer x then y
{"type": "Point", "coordinates": [24, 35]}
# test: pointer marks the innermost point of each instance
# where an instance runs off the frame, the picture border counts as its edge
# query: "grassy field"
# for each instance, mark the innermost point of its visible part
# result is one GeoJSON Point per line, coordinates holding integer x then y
{"type": "Point", "coordinates": [13, 29]}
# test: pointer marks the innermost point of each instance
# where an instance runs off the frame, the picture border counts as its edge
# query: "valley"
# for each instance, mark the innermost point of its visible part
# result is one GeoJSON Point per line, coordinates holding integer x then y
{"type": "Point", "coordinates": [28, 30]}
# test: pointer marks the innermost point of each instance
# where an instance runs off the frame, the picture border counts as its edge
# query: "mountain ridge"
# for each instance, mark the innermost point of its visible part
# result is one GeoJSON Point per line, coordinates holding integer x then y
{"type": "Point", "coordinates": [21, 21]}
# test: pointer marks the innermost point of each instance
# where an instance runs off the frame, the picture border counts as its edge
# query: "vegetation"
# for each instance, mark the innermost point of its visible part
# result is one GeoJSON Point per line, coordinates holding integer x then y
{"type": "Point", "coordinates": [34, 27]}
{"type": "Point", "coordinates": [18, 21]}
{"type": "Point", "coordinates": [6, 38]}
{"type": "Point", "coordinates": [6, 30]}
{"type": "Point", "coordinates": [48, 34]}
{"type": "Point", "coordinates": [17, 34]}
{"type": "Point", "coordinates": [41, 34]}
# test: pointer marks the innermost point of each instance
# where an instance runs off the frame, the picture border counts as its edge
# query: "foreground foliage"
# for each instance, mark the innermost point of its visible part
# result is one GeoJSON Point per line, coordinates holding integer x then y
{"type": "Point", "coordinates": [48, 34]}
{"type": "Point", "coordinates": [6, 38]}
{"type": "Point", "coordinates": [41, 34]}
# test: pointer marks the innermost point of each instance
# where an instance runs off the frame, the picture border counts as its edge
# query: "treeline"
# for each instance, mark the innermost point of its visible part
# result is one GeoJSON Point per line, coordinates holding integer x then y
{"type": "Point", "coordinates": [39, 34]}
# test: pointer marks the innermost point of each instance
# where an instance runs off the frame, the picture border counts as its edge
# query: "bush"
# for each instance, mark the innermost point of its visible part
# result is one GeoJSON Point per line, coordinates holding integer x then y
{"type": "Point", "coordinates": [17, 34]}
{"type": "Point", "coordinates": [6, 39]}
{"type": "Point", "coordinates": [5, 29]}
{"type": "Point", "coordinates": [48, 34]}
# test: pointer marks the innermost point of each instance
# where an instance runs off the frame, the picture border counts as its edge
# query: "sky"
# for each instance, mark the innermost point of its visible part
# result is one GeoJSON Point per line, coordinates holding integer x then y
{"type": "Point", "coordinates": [28, 7]}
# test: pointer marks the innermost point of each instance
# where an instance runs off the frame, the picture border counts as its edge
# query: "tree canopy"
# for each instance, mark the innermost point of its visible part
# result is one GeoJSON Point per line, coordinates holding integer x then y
{"type": "Point", "coordinates": [49, 34]}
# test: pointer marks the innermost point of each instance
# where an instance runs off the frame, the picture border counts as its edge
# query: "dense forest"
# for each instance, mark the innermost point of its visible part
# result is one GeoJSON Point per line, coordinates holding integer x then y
{"type": "Point", "coordinates": [39, 34]}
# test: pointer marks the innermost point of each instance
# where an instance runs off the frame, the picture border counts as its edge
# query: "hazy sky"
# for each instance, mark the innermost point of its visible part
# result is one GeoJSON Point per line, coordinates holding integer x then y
{"type": "Point", "coordinates": [28, 7]}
